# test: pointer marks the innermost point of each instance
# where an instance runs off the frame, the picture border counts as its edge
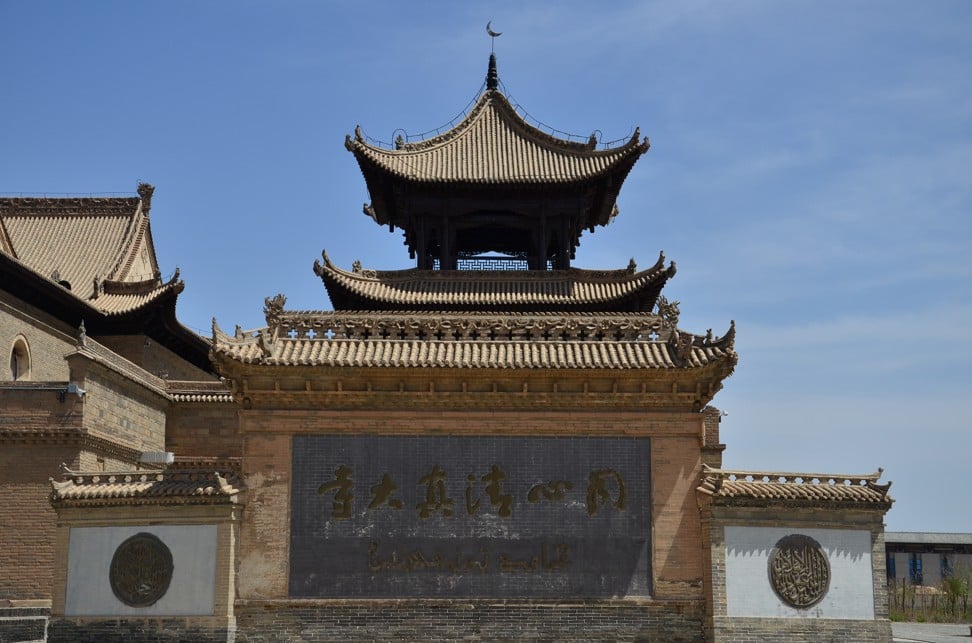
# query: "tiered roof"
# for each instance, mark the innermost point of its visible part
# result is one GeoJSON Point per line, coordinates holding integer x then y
{"type": "Point", "coordinates": [494, 145]}
{"type": "Point", "coordinates": [494, 182]}
{"type": "Point", "coordinates": [626, 290]}
{"type": "Point", "coordinates": [93, 260]}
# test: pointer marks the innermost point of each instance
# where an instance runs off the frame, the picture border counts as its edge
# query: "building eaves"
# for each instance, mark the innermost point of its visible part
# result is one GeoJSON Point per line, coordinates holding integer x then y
{"type": "Point", "coordinates": [553, 290]}
{"type": "Point", "coordinates": [199, 392]}
{"type": "Point", "coordinates": [172, 486]}
{"type": "Point", "coordinates": [926, 538]}
{"type": "Point", "coordinates": [417, 340]}
{"type": "Point", "coordinates": [494, 145]}
{"type": "Point", "coordinates": [759, 488]}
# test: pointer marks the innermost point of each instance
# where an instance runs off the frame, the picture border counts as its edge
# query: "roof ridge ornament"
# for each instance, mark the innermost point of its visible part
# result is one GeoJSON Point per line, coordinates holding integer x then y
{"type": "Point", "coordinates": [492, 77]}
{"type": "Point", "coordinates": [493, 35]}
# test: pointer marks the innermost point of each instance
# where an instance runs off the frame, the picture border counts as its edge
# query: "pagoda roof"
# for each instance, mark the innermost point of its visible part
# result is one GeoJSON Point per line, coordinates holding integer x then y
{"type": "Point", "coordinates": [493, 145]}
{"type": "Point", "coordinates": [494, 152]}
{"type": "Point", "coordinates": [574, 289]}
{"type": "Point", "coordinates": [93, 259]}
{"type": "Point", "coordinates": [761, 488]}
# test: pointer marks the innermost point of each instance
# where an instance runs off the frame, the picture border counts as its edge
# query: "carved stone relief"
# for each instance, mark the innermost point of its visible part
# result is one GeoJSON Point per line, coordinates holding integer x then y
{"type": "Point", "coordinates": [799, 571]}
{"type": "Point", "coordinates": [141, 570]}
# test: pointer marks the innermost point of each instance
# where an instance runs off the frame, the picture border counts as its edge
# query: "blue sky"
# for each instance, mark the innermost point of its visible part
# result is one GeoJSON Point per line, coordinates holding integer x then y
{"type": "Point", "coordinates": [810, 173]}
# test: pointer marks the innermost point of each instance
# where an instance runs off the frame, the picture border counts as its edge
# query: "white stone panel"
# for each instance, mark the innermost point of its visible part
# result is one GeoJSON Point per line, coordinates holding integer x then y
{"type": "Point", "coordinates": [191, 592]}
{"type": "Point", "coordinates": [748, 589]}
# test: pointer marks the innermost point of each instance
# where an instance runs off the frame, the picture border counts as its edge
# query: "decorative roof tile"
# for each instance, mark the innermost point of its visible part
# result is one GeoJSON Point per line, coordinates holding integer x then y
{"type": "Point", "coordinates": [199, 392]}
{"type": "Point", "coordinates": [417, 340]}
{"type": "Point", "coordinates": [494, 145]}
{"type": "Point", "coordinates": [172, 486]}
{"type": "Point", "coordinates": [542, 290]}
{"type": "Point", "coordinates": [759, 488]}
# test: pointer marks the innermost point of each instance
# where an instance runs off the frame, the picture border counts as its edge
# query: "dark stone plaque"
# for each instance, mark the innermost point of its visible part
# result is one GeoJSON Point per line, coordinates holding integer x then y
{"type": "Point", "coordinates": [799, 571]}
{"type": "Point", "coordinates": [141, 570]}
{"type": "Point", "coordinates": [385, 516]}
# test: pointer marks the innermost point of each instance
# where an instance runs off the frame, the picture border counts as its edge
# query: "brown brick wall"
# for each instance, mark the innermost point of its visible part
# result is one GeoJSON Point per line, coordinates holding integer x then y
{"type": "Point", "coordinates": [153, 357]}
{"type": "Point", "coordinates": [36, 410]}
{"type": "Point", "coordinates": [123, 412]}
{"type": "Point", "coordinates": [677, 533]}
{"type": "Point", "coordinates": [204, 430]}
{"type": "Point", "coordinates": [27, 519]}
{"type": "Point", "coordinates": [265, 532]}
{"type": "Point", "coordinates": [49, 340]}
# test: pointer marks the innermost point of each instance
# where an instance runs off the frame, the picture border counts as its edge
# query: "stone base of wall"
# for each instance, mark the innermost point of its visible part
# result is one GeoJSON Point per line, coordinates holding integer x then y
{"type": "Point", "coordinates": [796, 630]}
{"type": "Point", "coordinates": [144, 630]}
{"type": "Point", "coordinates": [20, 624]}
{"type": "Point", "coordinates": [427, 620]}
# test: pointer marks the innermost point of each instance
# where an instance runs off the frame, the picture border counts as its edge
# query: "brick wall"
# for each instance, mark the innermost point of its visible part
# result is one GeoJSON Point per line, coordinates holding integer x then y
{"type": "Point", "coordinates": [27, 519]}
{"type": "Point", "coordinates": [39, 410]}
{"type": "Point", "coordinates": [48, 340]}
{"type": "Point", "coordinates": [153, 357]}
{"type": "Point", "coordinates": [265, 532]}
{"type": "Point", "coordinates": [677, 532]}
{"type": "Point", "coordinates": [152, 630]}
{"type": "Point", "coordinates": [672, 622]}
{"type": "Point", "coordinates": [122, 411]}
{"type": "Point", "coordinates": [814, 630]}
{"type": "Point", "coordinates": [203, 430]}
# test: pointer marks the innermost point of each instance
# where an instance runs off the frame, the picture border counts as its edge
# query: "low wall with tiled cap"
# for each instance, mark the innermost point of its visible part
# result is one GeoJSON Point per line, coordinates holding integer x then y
{"type": "Point", "coordinates": [795, 559]}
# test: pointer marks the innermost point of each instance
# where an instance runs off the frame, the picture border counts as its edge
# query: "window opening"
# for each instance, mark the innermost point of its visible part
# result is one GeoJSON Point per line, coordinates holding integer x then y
{"type": "Point", "coordinates": [20, 360]}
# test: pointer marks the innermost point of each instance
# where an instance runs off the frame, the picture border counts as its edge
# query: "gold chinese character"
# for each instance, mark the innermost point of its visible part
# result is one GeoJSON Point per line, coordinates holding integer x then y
{"type": "Point", "coordinates": [381, 494]}
{"type": "Point", "coordinates": [552, 490]}
{"type": "Point", "coordinates": [597, 490]}
{"type": "Point", "coordinates": [494, 490]}
{"type": "Point", "coordinates": [471, 507]}
{"type": "Point", "coordinates": [343, 505]}
{"type": "Point", "coordinates": [435, 494]}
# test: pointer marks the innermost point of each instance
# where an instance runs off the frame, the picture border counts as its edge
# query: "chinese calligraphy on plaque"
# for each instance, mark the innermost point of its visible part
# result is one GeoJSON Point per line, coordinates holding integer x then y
{"type": "Point", "coordinates": [427, 516]}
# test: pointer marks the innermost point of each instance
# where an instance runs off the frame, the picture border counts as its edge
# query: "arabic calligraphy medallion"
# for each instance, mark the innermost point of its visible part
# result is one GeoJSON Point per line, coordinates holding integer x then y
{"type": "Point", "coordinates": [141, 570]}
{"type": "Point", "coordinates": [799, 571]}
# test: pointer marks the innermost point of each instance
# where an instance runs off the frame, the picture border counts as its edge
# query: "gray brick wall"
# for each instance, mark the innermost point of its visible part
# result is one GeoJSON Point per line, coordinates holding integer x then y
{"type": "Point", "coordinates": [470, 621]}
{"type": "Point", "coordinates": [783, 630]}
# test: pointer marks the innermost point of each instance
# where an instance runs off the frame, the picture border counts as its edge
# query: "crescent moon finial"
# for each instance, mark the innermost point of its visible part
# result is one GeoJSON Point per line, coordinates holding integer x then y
{"type": "Point", "coordinates": [493, 35]}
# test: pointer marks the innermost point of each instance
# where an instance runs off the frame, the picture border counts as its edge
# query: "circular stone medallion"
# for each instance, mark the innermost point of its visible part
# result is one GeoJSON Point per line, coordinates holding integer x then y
{"type": "Point", "coordinates": [141, 570]}
{"type": "Point", "coordinates": [799, 571]}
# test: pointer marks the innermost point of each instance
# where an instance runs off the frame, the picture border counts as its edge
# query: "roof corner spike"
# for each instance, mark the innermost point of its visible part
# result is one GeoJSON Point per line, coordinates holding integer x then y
{"type": "Point", "coordinates": [492, 78]}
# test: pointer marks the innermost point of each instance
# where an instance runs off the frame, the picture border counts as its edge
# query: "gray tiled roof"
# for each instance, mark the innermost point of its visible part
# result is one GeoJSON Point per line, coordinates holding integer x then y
{"type": "Point", "coordinates": [927, 538]}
